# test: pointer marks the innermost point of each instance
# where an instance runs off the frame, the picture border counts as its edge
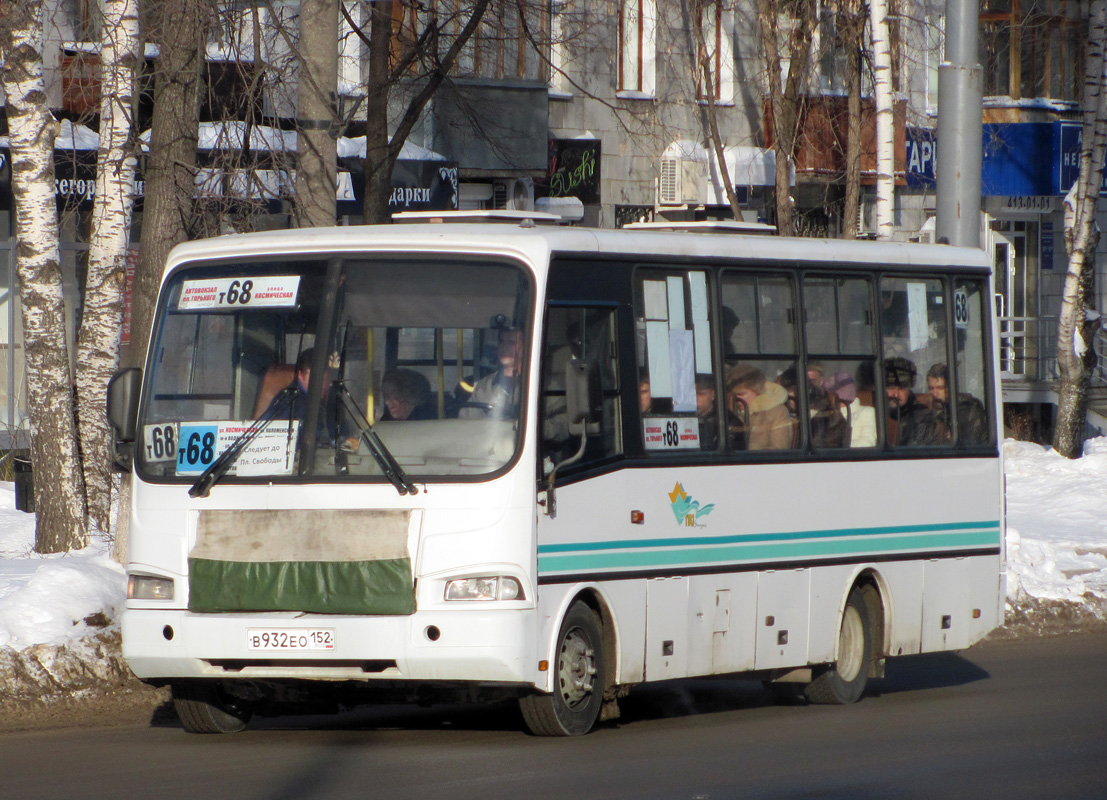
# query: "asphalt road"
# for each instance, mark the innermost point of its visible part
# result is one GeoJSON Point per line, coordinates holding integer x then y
{"type": "Point", "coordinates": [1023, 719]}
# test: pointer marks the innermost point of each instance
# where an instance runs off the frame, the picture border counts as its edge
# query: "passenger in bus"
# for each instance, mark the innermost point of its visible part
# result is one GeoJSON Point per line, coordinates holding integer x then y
{"type": "Point", "coordinates": [645, 397]}
{"type": "Point", "coordinates": [496, 396]}
{"type": "Point", "coordinates": [281, 407]}
{"type": "Point", "coordinates": [915, 425]}
{"type": "Point", "coordinates": [862, 418]}
{"type": "Point", "coordinates": [972, 418]}
{"type": "Point", "coordinates": [759, 416]}
{"type": "Point", "coordinates": [706, 412]}
{"type": "Point", "coordinates": [829, 426]}
{"type": "Point", "coordinates": [407, 395]}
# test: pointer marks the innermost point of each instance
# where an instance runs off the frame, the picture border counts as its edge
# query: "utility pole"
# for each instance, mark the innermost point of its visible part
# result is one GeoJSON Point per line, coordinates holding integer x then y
{"type": "Point", "coordinates": [960, 128]}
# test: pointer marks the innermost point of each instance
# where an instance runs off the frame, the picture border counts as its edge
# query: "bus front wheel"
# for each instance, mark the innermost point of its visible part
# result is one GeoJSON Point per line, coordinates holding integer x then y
{"type": "Point", "coordinates": [574, 706]}
{"type": "Point", "coordinates": [844, 681]}
{"type": "Point", "coordinates": [205, 707]}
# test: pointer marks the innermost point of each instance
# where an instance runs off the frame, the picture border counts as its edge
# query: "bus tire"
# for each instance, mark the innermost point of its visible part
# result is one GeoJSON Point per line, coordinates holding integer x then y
{"type": "Point", "coordinates": [204, 707]}
{"type": "Point", "coordinates": [844, 681]}
{"type": "Point", "coordinates": [574, 706]}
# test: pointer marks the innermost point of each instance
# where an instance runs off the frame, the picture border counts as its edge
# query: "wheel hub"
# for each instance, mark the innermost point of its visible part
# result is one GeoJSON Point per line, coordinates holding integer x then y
{"type": "Point", "coordinates": [576, 668]}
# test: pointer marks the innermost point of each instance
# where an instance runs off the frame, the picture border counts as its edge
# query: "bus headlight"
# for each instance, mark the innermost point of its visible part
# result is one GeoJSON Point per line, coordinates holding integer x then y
{"type": "Point", "coordinates": [492, 588]}
{"type": "Point", "coordinates": [146, 587]}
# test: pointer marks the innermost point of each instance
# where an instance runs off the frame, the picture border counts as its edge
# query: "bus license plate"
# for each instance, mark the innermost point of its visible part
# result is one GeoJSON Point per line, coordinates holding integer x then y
{"type": "Point", "coordinates": [286, 640]}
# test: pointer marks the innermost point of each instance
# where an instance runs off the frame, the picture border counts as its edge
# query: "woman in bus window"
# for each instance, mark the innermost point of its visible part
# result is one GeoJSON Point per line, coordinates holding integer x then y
{"type": "Point", "coordinates": [757, 405]}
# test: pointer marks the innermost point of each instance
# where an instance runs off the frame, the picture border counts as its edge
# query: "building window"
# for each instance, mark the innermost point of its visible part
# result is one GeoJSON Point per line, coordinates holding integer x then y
{"type": "Point", "coordinates": [717, 25]}
{"type": "Point", "coordinates": [637, 46]}
{"type": "Point", "coordinates": [512, 42]}
{"type": "Point", "coordinates": [1032, 49]}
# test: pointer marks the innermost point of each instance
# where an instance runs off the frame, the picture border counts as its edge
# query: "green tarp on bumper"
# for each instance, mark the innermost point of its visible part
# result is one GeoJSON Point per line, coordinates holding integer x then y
{"type": "Point", "coordinates": [319, 587]}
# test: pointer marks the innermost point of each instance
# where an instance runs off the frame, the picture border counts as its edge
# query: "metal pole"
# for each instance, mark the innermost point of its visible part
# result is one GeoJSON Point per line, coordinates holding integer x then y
{"type": "Point", "coordinates": [960, 128]}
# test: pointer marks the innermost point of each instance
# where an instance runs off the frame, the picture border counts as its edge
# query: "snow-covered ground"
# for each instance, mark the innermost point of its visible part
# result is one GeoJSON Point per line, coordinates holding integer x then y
{"type": "Point", "coordinates": [1056, 550]}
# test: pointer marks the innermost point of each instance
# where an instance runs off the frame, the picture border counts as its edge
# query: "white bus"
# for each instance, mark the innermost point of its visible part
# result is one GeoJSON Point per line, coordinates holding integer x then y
{"type": "Point", "coordinates": [476, 460]}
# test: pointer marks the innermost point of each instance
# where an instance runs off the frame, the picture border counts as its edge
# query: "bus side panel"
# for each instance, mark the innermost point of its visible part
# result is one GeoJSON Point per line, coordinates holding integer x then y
{"type": "Point", "coordinates": [801, 532]}
{"type": "Point", "coordinates": [782, 622]}
{"type": "Point", "coordinates": [958, 602]}
{"type": "Point", "coordinates": [720, 623]}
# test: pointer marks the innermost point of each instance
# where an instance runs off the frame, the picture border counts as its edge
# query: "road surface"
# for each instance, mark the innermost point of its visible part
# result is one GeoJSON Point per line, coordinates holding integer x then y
{"type": "Point", "coordinates": [1022, 719]}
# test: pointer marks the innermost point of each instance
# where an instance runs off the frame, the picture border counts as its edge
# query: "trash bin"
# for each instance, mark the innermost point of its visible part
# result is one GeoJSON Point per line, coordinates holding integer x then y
{"type": "Point", "coordinates": [24, 483]}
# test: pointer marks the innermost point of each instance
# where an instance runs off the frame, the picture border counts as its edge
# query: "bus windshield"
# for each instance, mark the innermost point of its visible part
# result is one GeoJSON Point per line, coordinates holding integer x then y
{"type": "Point", "coordinates": [429, 353]}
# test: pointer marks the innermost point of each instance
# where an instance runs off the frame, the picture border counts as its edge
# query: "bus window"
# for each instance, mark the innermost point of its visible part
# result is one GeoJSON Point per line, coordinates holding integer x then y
{"type": "Point", "coordinates": [677, 386]}
{"type": "Point", "coordinates": [580, 336]}
{"type": "Point", "coordinates": [840, 367]}
{"type": "Point", "coordinates": [913, 324]}
{"type": "Point", "coordinates": [967, 420]}
{"type": "Point", "coordinates": [761, 343]}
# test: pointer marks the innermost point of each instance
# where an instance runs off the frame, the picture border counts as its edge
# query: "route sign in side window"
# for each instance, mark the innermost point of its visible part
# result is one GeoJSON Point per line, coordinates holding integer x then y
{"type": "Point", "coordinates": [679, 389]}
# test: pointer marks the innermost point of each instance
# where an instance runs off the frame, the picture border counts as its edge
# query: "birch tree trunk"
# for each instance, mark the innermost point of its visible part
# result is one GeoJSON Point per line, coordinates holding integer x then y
{"type": "Point", "coordinates": [1073, 330]}
{"type": "Point", "coordinates": [316, 137]}
{"type": "Point", "coordinates": [885, 123]}
{"type": "Point", "coordinates": [98, 339]}
{"type": "Point", "coordinates": [59, 493]}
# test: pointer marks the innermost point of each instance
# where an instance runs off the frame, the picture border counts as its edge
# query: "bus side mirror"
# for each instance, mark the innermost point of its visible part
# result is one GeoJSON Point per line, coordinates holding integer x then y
{"type": "Point", "coordinates": [582, 395]}
{"type": "Point", "coordinates": [123, 391]}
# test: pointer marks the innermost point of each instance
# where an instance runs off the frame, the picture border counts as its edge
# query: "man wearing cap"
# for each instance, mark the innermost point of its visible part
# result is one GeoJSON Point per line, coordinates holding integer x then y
{"type": "Point", "coordinates": [916, 424]}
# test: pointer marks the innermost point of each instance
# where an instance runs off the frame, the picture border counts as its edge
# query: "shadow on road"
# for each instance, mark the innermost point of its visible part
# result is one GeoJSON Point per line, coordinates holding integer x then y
{"type": "Point", "coordinates": [665, 700]}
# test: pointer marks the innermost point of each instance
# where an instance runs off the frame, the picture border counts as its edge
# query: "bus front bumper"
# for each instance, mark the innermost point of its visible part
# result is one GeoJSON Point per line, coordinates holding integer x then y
{"type": "Point", "coordinates": [471, 645]}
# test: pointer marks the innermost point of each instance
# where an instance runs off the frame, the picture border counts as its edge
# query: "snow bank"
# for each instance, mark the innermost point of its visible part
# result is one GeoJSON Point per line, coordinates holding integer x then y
{"type": "Point", "coordinates": [45, 599]}
{"type": "Point", "coordinates": [1056, 523]}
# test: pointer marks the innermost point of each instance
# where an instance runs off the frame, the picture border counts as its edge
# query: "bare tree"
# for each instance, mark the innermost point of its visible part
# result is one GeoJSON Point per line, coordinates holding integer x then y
{"type": "Point", "coordinates": [1074, 330]}
{"type": "Point", "coordinates": [704, 58]}
{"type": "Point", "coordinates": [98, 338]}
{"type": "Point", "coordinates": [786, 94]}
{"type": "Point", "coordinates": [851, 26]}
{"type": "Point", "coordinates": [429, 54]}
{"type": "Point", "coordinates": [180, 29]}
{"type": "Point", "coordinates": [59, 492]}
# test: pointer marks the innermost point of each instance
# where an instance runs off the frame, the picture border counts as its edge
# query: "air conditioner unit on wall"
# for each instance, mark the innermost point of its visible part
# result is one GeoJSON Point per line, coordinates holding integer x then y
{"type": "Point", "coordinates": [683, 180]}
{"type": "Point", "coordinates": [513, 194]}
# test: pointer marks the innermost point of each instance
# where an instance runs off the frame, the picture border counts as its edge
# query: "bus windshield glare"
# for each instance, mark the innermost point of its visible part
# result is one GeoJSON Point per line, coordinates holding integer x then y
{"type": "Point", "coordinates": [428, 353]}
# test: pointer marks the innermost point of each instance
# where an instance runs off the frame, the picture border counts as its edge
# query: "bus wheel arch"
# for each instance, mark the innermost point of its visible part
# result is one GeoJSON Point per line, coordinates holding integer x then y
{"type": "Point", "coordinates": [581, 668]}
{"type": "Point", "coordinates": [860, 647]}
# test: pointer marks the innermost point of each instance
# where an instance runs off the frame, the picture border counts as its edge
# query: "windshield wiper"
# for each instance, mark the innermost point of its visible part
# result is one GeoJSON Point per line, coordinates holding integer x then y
{"type": "Point", "coordinates": [228, 457]}
{"type": "Point", "coordinates": [388, 464]}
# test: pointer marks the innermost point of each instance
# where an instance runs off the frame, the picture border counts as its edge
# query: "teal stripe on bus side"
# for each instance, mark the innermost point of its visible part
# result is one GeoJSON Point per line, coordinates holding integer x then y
{"type": "Point", "coordinates": [633, 544]}
{"type": "Point", "coordinates": [684, 556]}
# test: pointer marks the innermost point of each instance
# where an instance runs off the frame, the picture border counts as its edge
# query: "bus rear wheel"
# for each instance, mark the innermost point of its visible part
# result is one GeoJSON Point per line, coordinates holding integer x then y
{"type": "Point", "coordinates": [205, 707]}
{"type": "Point", "coordinates": [574, 706]}
{"type": "Point", "coordinates": [844, 681]}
